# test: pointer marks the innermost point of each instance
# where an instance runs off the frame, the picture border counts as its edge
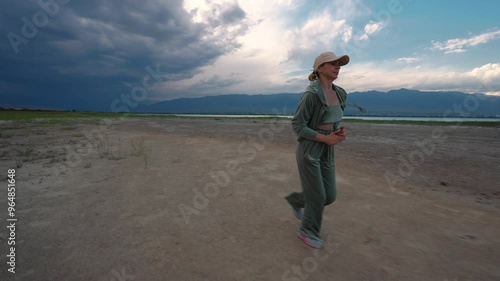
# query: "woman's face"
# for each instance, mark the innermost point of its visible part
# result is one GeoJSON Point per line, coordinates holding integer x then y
{"type": "Point", "coordinates": [330, 70]}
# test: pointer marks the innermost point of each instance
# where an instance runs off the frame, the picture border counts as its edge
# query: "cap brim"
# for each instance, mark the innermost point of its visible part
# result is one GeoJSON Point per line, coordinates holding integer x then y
{"type": "Point", "coordinates": [344, 60]}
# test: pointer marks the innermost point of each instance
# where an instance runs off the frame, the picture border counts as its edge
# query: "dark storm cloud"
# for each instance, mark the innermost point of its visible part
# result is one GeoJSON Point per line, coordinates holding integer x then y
{"type": "Point", "coordinates": [233, 14]}
{"type": "Point", "coordinates": [87, 52]}
{"type": "Point", "coordinates": [216, 82]}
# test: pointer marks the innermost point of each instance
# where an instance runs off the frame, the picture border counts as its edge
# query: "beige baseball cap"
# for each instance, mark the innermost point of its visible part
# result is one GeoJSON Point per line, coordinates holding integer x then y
{"type": "Point", "coordinates": [329, 56]}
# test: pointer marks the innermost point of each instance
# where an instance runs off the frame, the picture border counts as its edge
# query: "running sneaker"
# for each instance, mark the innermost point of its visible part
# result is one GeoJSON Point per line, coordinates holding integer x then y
{"type": "Point", "coordinates": [297, 212]}
{"type": "Point", "coordinates": [311, 242]}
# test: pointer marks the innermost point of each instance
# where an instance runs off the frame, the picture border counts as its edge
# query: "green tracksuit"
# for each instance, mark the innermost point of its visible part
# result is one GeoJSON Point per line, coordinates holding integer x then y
{"type": "Point", "coordinates": [315, 160]}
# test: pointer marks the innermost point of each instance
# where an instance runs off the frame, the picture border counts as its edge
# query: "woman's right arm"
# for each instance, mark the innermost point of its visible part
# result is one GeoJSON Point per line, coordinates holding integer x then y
{"type": "Point", "coordinates": [302, 116]}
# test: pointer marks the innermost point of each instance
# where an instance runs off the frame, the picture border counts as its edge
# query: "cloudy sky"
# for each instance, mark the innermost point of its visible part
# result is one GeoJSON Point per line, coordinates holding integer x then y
{"type": "Point", "coordinates": [98, 54]}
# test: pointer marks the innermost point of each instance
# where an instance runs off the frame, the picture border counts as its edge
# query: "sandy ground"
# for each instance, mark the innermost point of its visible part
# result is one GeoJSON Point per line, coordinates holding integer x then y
{"type": "Point", "coordinates": [202, 199]}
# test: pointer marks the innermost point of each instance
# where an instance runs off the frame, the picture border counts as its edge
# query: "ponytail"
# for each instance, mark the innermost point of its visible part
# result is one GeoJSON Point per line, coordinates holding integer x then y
{"type": "Point", "coordinates": [313, 76]}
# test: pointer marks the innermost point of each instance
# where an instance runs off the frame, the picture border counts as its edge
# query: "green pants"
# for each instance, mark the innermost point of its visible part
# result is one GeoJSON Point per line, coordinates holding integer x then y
{"type": "Point", "coordinates": [317, 176]}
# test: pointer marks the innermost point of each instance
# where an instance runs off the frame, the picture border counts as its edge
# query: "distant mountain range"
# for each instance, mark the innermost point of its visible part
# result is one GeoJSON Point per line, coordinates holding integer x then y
{"type": "Point", "coordinates": [402, 102]}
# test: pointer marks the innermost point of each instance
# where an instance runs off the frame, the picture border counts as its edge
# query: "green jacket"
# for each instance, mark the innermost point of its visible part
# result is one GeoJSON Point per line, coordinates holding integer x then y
{"type": "Point", "coordinates": [312, 107]}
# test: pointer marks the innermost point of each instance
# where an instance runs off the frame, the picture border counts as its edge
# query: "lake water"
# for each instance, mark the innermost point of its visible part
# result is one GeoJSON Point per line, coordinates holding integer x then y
{"type": "Point", "coordinates": [353, 117]}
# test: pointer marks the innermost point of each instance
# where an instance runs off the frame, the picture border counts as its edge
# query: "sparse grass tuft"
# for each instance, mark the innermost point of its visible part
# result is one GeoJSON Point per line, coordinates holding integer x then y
{"type": "Point", "coordinates": [145, 157]}
{"type": "Point", "coordinates": [118, 151]}
{"type": "Point", "coordinates": [55, 121]}
{"type": "Point", "coordinates": [138, 149]}
{"type": "Point", "coordinates": [70, 128]}
{"type": "Point", "coordinates": [28, 150]}
{"type": "Point", "coordinates": [103, 147]}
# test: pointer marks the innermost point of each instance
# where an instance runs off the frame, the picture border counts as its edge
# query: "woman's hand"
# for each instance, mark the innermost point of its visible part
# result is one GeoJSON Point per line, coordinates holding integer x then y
{"type": "Point", "coordinates": [340, 131]}
{"type": "Point", "coordinates": [333, 138]}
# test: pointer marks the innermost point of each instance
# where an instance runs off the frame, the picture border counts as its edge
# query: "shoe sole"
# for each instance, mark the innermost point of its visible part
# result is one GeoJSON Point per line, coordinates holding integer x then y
{"type": "Point", "coordinates": [303, 238]}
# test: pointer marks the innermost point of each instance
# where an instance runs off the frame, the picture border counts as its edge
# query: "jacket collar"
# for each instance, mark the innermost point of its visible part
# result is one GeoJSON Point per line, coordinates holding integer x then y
{"type": "Point", "coordinates": [315, 87]}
